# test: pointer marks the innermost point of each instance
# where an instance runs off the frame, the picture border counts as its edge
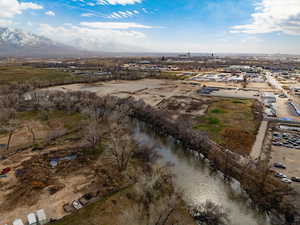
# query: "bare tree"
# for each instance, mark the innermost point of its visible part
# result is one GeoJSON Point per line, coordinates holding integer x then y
{"type": "Point", "coordinates": [12, 126]}
{"type": "Point", "coordinates": [93, 133]}
{"type": "Point", "coordinates": [53, 134]}
{"type": "Point", "coordinates": [30, 127]}
{"type": "Point", "coordinates": [157, 212]}
{"type": "Point", "coordinates": [7, 114]}
{"type": "Point", "coordinates": [122, 147]}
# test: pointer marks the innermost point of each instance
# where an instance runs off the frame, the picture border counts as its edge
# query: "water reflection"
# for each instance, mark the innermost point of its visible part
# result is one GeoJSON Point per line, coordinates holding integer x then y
{"type": "Point", "coordinates": [198, 183]}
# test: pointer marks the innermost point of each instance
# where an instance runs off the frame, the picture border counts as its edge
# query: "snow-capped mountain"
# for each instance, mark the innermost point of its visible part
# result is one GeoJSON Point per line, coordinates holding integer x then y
{"type": "Point", "coordinates": [15, 42]}
{"type": "Point", "coordinates": [19, 38]}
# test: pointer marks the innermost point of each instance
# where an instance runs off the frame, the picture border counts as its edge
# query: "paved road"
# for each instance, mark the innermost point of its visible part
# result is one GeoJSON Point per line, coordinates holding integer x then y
{"type": "Point", "coordinates": [257, 147]}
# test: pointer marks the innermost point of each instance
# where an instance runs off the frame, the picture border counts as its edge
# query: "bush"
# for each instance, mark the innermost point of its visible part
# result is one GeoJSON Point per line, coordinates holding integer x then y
{"type": "Point", "coordinates": [214, 121]}
{"type": "Point", "coordinates": [218, 111]}
{"type": "Point", "coordinates": [238, 102]}
{"type": "Point", "coordinates": [210, 213]}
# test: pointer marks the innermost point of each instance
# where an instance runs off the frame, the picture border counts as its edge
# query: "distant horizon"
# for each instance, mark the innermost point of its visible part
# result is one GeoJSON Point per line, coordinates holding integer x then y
{"type": "Point", "coordinates": [238, 26]}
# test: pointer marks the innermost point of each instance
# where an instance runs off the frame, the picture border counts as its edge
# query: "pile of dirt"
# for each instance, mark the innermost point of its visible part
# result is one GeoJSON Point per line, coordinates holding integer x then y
{"type": "Point", "coordinates": [184, 105]}
{"type": "Point", "coordinates": [238, 140]}
{"type": "Point", "coordinates": [32, 177]}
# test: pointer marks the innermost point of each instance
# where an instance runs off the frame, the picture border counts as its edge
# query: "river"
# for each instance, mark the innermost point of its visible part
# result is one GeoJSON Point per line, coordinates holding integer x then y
{"type": "Point", "coordinates": [198, 183]}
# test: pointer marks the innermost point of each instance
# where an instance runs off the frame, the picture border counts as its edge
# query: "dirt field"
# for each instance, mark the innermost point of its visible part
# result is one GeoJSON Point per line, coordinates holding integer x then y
{"type": "Point", "coordinates": [21, 194]}
{"type": "Point", "coordinates": [152, 91]}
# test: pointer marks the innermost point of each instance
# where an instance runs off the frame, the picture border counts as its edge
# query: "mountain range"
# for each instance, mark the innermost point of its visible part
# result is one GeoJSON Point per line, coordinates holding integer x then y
{"type": "Point", "coordinates": [17, 43]}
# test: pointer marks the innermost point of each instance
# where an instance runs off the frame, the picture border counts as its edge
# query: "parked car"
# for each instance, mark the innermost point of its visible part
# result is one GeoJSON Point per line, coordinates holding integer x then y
{"type": "Point", "coordinates": [285, 136]}
{"type": "Point", "coordinates": [77, 204]}
{"type": "Point", "coordinates": [295, 179]}
{"type": "Point", "coordinates": [5, 171]}
{"type": "Point", "coordinates": [275, 134]}
{"type": "Point", "coordinates": [68, 208]}
{"type": "Point", "coordinates": [84, 200]}
{"type": "Point", "coordinates": [276, 143]}
{"type": "Point", "coordinates": [279, 165]}
{"type": "Point", "coordinates": [286, 180]}
{"type": "Point", "coordinates": [280, 175]}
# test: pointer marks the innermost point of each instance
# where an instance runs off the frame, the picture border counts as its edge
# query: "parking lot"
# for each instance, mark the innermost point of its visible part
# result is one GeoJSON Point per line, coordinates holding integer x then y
{"type": "Point", "coordinates": [286, 155]}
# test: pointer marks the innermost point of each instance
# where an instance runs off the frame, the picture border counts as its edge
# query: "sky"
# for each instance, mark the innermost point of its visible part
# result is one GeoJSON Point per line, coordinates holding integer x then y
{"type": "Point", "coordinates": [220, 26]}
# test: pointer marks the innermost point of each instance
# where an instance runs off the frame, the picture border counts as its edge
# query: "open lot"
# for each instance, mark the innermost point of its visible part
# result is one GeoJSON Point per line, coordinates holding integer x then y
{"type": "Point", "coordinates": [236, 94]}
{"type": "Point", "coordinates": [152, 91]}
{"type": "Point", "coordinates": [231, 123]}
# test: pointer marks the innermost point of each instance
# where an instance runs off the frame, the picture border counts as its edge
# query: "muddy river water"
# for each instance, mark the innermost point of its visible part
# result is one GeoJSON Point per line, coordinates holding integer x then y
{"type": "Point", "coordinates": [198, 183]}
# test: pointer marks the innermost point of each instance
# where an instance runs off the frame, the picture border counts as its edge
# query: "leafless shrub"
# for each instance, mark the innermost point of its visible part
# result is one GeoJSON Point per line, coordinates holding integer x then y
{"type": "Point", "coordinates": [93, 133]}
{"type": "Point", "coordinates": [210, 213]}
{"type": "Point", "coordinates": [54, 134]}
{"type": "Point", "coordinates": [158, 213]}
{"type": "Point", "coordinates": [6, 114]}
{"type": "Point", "coordinates": [146, 153]}
{"type": "Point", "coordinates": [152, 207]}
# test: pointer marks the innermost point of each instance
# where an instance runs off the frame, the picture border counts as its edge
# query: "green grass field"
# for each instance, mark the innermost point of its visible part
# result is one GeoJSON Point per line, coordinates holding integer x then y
{"type": "Point", "coordinates": [13, 74]}
{"type": "Point", "coordinates": [227, 114]}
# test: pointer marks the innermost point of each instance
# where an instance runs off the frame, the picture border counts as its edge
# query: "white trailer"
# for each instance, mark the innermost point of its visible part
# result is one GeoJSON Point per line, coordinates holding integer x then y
{"type": "Point", "coordinates": [32, 220]}
{"type": "Point", "coordinates": [41, 217]}
{"type": "Point", "coordinates": [18, 222]}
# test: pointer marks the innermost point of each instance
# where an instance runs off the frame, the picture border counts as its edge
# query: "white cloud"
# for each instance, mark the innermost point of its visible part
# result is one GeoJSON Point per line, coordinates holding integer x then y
{"type": "Point", "coordinates": [91, 4]}
{"type": "Point", "coordinates": [87, 14]}
{"type": "Point", "coordinates": [10, 8]}
{"type": "Point", "coordinates": [111, 25]}
{"type": "Point", "coordinates": [50, 13]}
{"type": "Point", "coordinates": [5, 23]}
{"type": "Point", "coordinates": [122, 14]}
{"type": "Point", "coordinates": [273, 16]}
{"type": "Point", "coordinates": [118, 2]}
{"type": "Point", "coordinates": [94, 39]}
{"type": "Point", "coordinates": [29, 5]}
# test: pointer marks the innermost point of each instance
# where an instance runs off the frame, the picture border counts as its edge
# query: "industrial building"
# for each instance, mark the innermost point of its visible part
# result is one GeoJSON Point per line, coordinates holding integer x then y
{"type": "Point", "coordinates": [268, 97]}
